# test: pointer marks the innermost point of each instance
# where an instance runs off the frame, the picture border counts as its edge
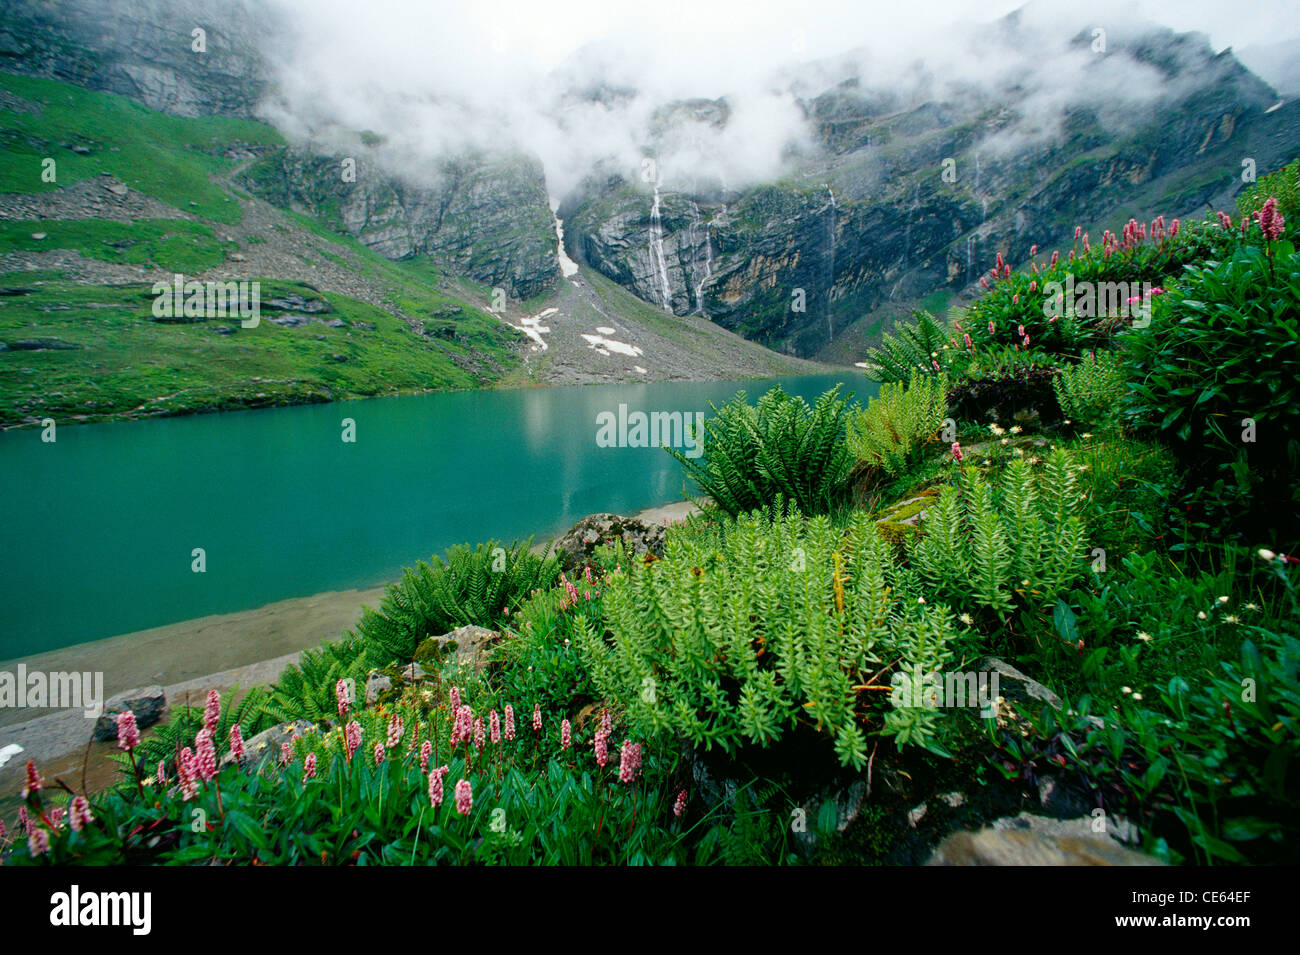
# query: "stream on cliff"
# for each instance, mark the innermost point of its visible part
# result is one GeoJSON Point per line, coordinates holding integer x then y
{"type": "Point", "coordinates": [102, 524]}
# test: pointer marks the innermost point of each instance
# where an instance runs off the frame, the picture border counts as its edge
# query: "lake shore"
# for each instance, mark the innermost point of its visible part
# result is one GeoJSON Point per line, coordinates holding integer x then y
{"type": "Point", "coordinates": [187, 658]}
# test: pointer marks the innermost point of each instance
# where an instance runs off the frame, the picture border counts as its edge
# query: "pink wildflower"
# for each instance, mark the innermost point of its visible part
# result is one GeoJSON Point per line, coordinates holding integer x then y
{"type": "Point", "coordinates": [212, 712]}
{"type": "Point", "coordinates": [352, 737]}
{"type": "Point", "coordinates": [188, 775]}
{"type": "Point", "coordinates": [205, 755]}
{"type": "Point", "coordinates": [510, 722]}
{"type": "Point", "coordinates": [679, 805]}
{"type": "Point", "coordinates": [537, 717]}
{"type": "Point", "coordinates": [629, 761]}
{"type": "Point", "coordinates": [80, 817]}
{"type": "Point", "coordinates": [426, 752]}
{"type": "Point", "coordinates": [606, 722]}
{"type": "Point", "coordinates": [494, 727]}
{"type": "Point", "coordinates": [455, 699]}
{"type": "Point", "coordinates": [38, 843]}
{"type": "Point", "coordinates": [56, 817]}
{"type": "Point", "coordinates": [344, 699]}
{"type": "Point", "coordinates": [128, 736]}
{"type": "Point", "coordinates": [396, 730]}
{"type": "Point", "coordinates": [286, 754]}
{"type": "Point", "coordinates": [1271, 221]}
{"type": "Point", "coordinates": [309, 767]}
{"type": "Point", "coordinates": [564, 734]}
{"type": "Point", "coordinates": [602, 752]}
{"type": "Point", "coordinates": [161, 774]}
{"type": "Point", "coordinates": [435, 788]}
{"type": "Point", "coordinates": [480, 737]}
{"type": "Point", "coordinates": [990, 328]}
{"type": "Point", "coordinates": [33, 780]}
{"type": "Point", "coordinates": [379, 753]}
{"type": "Point", "coordinates": [236, 742]}
{"type": "Point", "coordinates": [464, 797]}
{"type": "Point", "coordinates": [956, 452]}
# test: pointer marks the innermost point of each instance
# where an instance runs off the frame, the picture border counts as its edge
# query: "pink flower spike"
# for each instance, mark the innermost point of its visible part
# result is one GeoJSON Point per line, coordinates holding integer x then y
{"type": "Point", "coordinates": [33, 780]}
{"type": "Point", "coordinates": [455, 699]}
{"type": "Point", "coordinates": [510, 722]}
{"type": "Point", "coordinates": [396, 730]}
{"type": "Point", "coordinates": [352, 737]}
{"type": "Point", "coordinates": [435, 788]}
{"type": "Point", "coordinates": [379, 753]}
{"type": "Point", "coordinates": [426, 751]}
{"type": "Point", "coordinates": [679, 805]}
{"type": "Point", "coordinates": [286, 754]}
{"type": "Point", "coordinates": [602, 751]}
{"type": "Point", "coordinates": [38, 843]}
{"type": "Point", "coordinates": [480, 737]}
{"type": "Point", "coordinates": [629, 761]}
{"type": "Point", "coordinates": [81, 816]}
{"type": "Point", "coordinates": [344, 699]}
{"type": "Point", "coordinates": [205, 755]}
{"type": "Point", "coordinates": [212, 712]}
{"type": "Point", "coordinates": [464, 797]}
{"type": "Point", "coordinates": [161, 774]}
{"type": "Point", "coordinates": [537, 717]}
{"type": "Point", "coordinates": [128, 736]}
{"type": "Point", "coordinates": [236, 742]}
{"type": "Point", "coordinates": [309, 767]}
{"type": "Point", "coordinates": [494, 728]}
{"type": "Point", "coordinates": [565, 738]}
{"type": "Point", "coordinates": [957, 452]}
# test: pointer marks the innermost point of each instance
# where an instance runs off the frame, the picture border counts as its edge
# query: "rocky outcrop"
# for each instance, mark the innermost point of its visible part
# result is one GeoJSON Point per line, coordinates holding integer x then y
{"type": "Point", "coordinates": [596, 530]}
{"type": "Point", "coordinates": [143, 49]}
{"type": "Point", "coordinates": [469, 647]}
{"type": "Point", "coordinates": [1036, 840]}
{"type": "Point", "coordinates": [485, 218]}
{"type": "Point", "coordinates": [147, 704]}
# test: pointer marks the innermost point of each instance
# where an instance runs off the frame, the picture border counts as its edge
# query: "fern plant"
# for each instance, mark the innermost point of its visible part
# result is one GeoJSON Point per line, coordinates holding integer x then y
{"type": "Point", "coordinates": [896, 424]}
{"type": "Point", "coordinates": [1091, 393]}
{"type": "Point", "coordinates": [781, 447]}
{"type": "Point", "coordinates": [473, 586]}
{"type": "Point", "coordinates": [742, 634]}
{"type": "Point", "coordinates": [1024, 542]}
{"type": "Point", "coordinates": [916, 346]}
{"type": "Point", "coordinates": [305, 690]}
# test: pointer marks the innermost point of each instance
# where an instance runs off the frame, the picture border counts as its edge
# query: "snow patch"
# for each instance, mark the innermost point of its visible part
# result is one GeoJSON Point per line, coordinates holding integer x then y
{"type": "Point", "coordinates": [604, 330]}
{"type": "Point", "coordinates": [604, 346]}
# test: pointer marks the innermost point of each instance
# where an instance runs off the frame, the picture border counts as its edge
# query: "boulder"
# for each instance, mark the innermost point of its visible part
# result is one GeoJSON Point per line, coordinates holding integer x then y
{"type": "Point", "coordinates": [264, 748]}
{"type": "Point", "coordinates": [148, 704]}
{"type": "Point", "coordinates": [467, 646]}
{"type": "Point", "coordinates": [1015, 687]}
{"type": "Point", "coordinates": [376, 684]}
{"type": "Point", "coordinates": [1035, 840]}
{"type": "Point", "coordinates": [595, 530]}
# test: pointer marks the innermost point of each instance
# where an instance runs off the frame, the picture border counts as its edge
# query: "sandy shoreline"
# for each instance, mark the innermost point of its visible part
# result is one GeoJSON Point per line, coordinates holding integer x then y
{"type": "Point", "coordinates": [187, 658]}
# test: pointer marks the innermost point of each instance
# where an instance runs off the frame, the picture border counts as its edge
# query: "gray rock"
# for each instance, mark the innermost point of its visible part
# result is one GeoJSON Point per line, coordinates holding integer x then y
{"type": "Point", "coordinates": [1035, 840]}
{"type": "Point", "coordinates": [264, 748]}
{"type": "Point", "coordinates": [467, 646]}
{"type": "Point", "coordinates": [595, 530]}
{"type": "Point", "coordinates": [148, 704]}
{"type": "Point", "coordinates": [376, 684]}
{"type": "Point", "coordinates": [1016, 687]}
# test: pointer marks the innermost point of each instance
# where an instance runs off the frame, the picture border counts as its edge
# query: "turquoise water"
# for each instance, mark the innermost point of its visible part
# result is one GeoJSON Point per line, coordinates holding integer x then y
{"type": "Point", "coordinates": [99, 526]}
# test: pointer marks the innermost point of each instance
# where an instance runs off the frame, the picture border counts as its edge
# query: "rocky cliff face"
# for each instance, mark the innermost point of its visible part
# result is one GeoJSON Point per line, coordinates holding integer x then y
{"type": "Point", "coordinates": [870, 220]}
{"type": "Point", "coordinates": [143, 49]}
{"type": "Point", "coordinates": [484, 218]}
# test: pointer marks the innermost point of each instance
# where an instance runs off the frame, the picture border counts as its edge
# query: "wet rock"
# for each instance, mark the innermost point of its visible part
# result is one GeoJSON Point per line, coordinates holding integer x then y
{"type": "Point", "coordinates": [147, 703]}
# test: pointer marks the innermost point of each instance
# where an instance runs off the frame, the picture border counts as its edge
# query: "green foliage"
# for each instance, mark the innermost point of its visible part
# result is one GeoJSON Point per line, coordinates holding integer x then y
{"type": "Point", "coordinates": [305, 690]}
{"type": "Point", "coordinates": [472, 587]}
{"type": "Point", "coordinates": [782, 447]}
{"type": "Point", "coordinates": [165, 742]}
{"type": "Point", "coordinates": [759, 627]}
{"type": "Point", "coordinates": [1091, 393]}
{"type": "Point", "coordinates": [989, 549]}
{"type": "Point", "coordinates": [1224, 347]}
{"type": "Point", "coordinates": [915, 346]}
{"type": "Point", "coordinates": [173, 245]}
{"type": "Point", "coordinates": [897, 424]}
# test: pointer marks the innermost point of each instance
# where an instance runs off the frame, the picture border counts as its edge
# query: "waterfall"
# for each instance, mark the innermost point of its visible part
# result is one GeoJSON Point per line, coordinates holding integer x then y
{"type": "Point", "coordinates": [708, 258]}
{"type": "Point", "coordinates": [830, 284]}
{"type": "Point", "coordinates": [657, 249]}
{"type": "Point", "coordinates": [970, 251]}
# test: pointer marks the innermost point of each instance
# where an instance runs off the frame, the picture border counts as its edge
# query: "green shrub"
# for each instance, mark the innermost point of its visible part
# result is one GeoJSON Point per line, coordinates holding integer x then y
{"type": "Point", "coordinates": [898, 423]}
{"type": "Point", "coordinates": [915, 346]}
{"type": "Point", "coordinates": [781, 447]}
{"type": "Point", "coordinates": [1224, 347]}
{"type": "Point", "coordinates": [1091, 393]}
{"type": "Point", "coordinates": [1282, 185]}
{"type": "Point", "coordinates": [473, 587]}
{"type": "Point", "coordinates": [744, 634]}
{"type": "Point", "coordinates": [991, 550]}
{"type": "Point", "coordinates": [305, 690]}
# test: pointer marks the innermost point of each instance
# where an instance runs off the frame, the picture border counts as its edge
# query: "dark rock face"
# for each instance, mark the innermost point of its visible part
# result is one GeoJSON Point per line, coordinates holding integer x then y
{"type": "Point", "coordinates": [142, 49]}
{"type": "Point", "coordinates": [595, 530]}
{"type": "Point", "coordinates": [870, 222]}
{"type": "Point", "coordinates": [148, 704]}
{"type": "Point", "coordinates": [485, 218]}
